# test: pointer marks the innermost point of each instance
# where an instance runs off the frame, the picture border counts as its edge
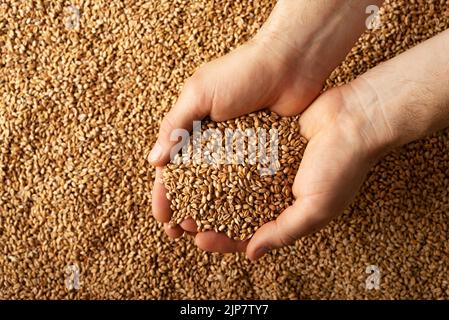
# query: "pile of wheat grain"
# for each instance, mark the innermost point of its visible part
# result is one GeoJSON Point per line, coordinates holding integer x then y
{"type": "Point", "coordinates": [80, 105]}
{"type": "Point", "coordinates": [235, 183]}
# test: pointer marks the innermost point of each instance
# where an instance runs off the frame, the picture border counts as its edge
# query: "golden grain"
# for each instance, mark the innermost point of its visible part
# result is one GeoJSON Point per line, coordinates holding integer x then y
{"type": "Point", "coordinates": [80, 109]}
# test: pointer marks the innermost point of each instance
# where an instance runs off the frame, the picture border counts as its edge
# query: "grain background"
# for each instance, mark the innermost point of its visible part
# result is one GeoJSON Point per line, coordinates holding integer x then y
{"type": "Point", "coordinates": [79, 111]}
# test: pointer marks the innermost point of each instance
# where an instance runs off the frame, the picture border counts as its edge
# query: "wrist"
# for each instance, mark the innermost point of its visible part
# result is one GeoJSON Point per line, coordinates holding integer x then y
{"type": "Point", "coordinates": [314, 36]}
{"type": "Point", "coordinates": [405, 98]}
{"type": "Point", "coordinates": [368, 120]}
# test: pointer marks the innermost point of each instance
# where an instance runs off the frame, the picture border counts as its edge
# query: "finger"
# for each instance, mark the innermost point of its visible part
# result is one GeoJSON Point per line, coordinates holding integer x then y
{"type": "Point", "coordinates": [190, 106]}
{"type": "Point", "coordinates": [189, 225]}
{"type": "Point", "coordinates": [173, 231]}
{"type": "Point", "coordinates": [212, 241]}
{"type": "Point", "coordinates": [161, 205]}
{"type": "Point", "coordinates": [294, 222]}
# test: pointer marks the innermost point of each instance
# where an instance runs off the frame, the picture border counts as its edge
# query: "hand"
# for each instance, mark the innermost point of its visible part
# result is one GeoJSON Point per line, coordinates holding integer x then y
{"type": "Point", "coordinates": [280, 69]}
{"type": "Point", "coordinates": [248, 79]}
{"type": "Point", "coordinates": [264, 73]}
{"type": "Point", "coordinates": [343, 145]}
{"type": "Point", "coordinates": [348, 129]}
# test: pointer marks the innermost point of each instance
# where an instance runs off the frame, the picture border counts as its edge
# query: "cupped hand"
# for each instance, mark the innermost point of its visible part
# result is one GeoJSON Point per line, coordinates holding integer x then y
{"type": "Point", "coordinates": [344, 142]}
{"type": "Point", "coordinates": [282, 69]}
{"type": "Point", "coordinates": [253, 77]}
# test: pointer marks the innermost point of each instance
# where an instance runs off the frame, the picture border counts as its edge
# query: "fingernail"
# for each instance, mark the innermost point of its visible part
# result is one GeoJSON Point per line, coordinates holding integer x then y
{"type": "Point", "coordinates": [260, 252]}
{"type": "Point", "coordinates": [155, 153]}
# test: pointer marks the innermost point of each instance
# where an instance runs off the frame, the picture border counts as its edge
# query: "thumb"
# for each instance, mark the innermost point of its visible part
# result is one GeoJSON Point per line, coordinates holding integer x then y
{"type": "Point", "coordinates": [190, 106]}
{"type": "Point", "coordinates": [294, 222]}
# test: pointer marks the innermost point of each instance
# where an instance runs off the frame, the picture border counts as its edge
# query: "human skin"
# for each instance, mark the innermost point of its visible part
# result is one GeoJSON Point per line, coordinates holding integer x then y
{"type": "Point", "coordinates": [282, 68]}
{"type": "Point", "coordinates": [348, 129]}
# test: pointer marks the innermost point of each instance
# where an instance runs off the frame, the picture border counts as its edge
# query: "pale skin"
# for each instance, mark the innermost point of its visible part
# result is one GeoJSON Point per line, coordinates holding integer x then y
{"type": "Point", "coordinates": [349, 128]}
